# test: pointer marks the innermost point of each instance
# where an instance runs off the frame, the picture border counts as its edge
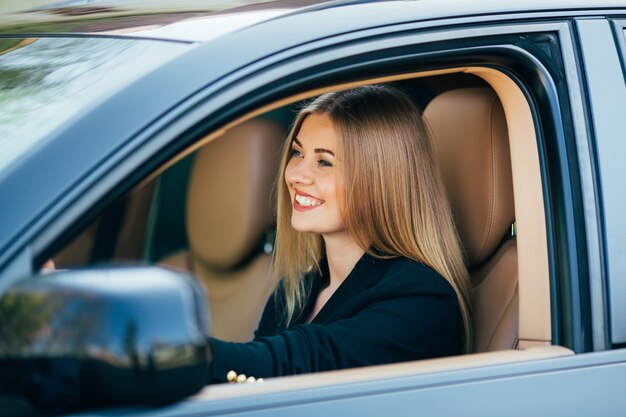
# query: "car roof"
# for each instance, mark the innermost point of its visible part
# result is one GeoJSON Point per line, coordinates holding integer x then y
{"type": "Point", "coordinates": [201, 21]}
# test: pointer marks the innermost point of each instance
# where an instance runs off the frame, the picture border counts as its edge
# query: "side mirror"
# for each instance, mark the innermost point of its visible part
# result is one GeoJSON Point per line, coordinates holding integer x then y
{"type": "Point", "coordinates": [88, 338]}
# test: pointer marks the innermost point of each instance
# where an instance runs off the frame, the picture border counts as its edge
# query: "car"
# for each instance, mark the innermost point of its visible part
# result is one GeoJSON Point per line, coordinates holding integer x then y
{"type": "Point", "coordinates": [151, 137]}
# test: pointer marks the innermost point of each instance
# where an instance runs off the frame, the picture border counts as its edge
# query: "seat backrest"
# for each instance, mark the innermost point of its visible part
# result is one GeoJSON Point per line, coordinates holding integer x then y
{"type": "Point", "coordinates": [469, 131]}
{"type": "Point", "coordinates": [229, 208]}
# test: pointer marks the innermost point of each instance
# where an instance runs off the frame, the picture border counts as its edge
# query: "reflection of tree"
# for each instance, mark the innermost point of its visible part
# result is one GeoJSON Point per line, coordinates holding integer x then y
{"type": "Point", "coordinates": [9, 45]}
{"type": "Point", "coordinates": [12, 78]}
{"type": "Point", "coordinates": [74, 324]}
{"type": "Point", "coordinates": [131, 348]}
{"type": "Point", "coordinates": [52, 323]}
{"type": "Point", "coordinates": [49, 69]}
{"type": "Point", "coordinates": [42, 83]}
{"type": "Point", "coordinates": [21, 319]}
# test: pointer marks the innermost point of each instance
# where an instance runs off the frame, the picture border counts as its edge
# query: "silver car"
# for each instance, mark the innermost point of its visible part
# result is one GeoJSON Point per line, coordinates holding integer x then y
{"type": "Point", "coordinates": [138, 150]}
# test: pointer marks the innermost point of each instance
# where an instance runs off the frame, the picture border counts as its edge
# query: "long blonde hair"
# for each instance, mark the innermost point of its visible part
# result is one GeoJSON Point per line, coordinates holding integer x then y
{"type": "Point", "coordinates": [397, 204]}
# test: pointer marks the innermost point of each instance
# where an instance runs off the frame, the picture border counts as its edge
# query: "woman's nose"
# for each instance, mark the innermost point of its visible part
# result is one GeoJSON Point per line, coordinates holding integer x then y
{"type": "Point", "coordinates": [299, 173]}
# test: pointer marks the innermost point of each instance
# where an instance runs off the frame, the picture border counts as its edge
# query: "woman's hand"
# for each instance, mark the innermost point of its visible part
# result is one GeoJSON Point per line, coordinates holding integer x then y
{"type": "Point", "coordinates": [48, 266]}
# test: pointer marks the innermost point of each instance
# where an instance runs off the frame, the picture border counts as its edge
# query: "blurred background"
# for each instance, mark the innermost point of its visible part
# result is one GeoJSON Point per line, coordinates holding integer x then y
{"type": "Point", "coordinates": [9, 6]}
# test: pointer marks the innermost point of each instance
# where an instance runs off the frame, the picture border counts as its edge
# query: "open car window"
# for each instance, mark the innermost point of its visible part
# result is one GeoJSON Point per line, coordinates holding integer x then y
{"type": "Point", "coordinates": [178, 220]}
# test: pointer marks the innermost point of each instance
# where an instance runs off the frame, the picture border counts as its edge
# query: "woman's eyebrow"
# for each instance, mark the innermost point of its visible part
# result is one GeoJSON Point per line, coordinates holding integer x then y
{"type": "Point", "coordinates": [316, 150]}
{"type": "Point", "coordinates": [322, 150]}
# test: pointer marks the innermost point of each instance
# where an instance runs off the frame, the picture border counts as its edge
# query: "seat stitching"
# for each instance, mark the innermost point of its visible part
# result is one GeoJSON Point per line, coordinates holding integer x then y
{"type": "Point", "coordinates": [492, 183]}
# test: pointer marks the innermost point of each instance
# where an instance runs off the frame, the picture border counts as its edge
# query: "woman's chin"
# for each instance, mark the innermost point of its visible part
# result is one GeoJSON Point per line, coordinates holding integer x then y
{"type": "Point", "coordinates": [302, 227]}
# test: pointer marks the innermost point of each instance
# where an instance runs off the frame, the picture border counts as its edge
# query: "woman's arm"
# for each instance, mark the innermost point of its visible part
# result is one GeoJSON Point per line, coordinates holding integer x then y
{"type": "Point", "coordinates": [399, 323]}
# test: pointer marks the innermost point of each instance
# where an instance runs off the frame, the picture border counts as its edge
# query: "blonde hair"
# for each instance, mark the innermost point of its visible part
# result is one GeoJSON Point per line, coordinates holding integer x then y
{"type": "Point", "coordinates": [397, 205]}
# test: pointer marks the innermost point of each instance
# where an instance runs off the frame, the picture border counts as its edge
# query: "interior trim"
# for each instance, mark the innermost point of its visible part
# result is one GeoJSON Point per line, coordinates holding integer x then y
{"type": "Point", "coordinates": [533, 265]}
{"type": "Point", "coordinates": [378, 373]}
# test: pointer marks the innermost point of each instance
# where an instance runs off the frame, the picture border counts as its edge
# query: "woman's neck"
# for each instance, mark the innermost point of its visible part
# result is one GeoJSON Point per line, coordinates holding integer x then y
{"type": "Point", "coordinates": [342, 253]}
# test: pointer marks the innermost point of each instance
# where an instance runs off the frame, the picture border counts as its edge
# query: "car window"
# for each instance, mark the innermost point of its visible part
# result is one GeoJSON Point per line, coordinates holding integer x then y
{"type": "Point", "coordinates": [154, 224]}
{"type": "Point", "coordinates": [44, 82]}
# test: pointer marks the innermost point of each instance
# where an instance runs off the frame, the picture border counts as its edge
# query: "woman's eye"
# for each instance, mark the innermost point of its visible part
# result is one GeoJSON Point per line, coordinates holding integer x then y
{"type": "Point", "coordinates": [296, 153]}
{"type": "Point", "coordinates": [324, 163]}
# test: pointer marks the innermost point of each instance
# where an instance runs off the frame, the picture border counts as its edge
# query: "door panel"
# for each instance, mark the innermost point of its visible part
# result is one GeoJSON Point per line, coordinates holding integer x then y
{"type": "Point", "coordinates": [580, 385]}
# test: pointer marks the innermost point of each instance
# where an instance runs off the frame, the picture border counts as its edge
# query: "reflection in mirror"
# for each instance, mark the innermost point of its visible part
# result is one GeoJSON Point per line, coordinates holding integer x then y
{"type": "Point", "coordinates": [84, 338]}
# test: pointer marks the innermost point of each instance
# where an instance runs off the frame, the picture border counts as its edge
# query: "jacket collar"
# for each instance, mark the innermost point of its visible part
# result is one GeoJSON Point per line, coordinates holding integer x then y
{"type": "Point", "coordinates": [365, 274]}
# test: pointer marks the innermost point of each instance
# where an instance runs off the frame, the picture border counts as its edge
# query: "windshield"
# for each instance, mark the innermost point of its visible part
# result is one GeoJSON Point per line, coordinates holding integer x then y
{"type": "Point", "coordinates": [45, 82]}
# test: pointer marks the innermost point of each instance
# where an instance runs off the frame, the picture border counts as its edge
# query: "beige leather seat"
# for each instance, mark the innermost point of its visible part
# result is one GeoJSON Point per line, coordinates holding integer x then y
{"type": "Point", "coordinates": [229, 208]}
{"type": "Point", "coordinates": [470, 135]}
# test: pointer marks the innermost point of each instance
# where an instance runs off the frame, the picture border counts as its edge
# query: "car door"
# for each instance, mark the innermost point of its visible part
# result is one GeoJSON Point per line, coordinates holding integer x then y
{"type": "Point", "coordinates": [591, 381]}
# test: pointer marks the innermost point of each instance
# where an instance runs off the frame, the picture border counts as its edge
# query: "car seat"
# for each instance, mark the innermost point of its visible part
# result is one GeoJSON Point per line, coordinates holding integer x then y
{"type": "Point", "coordinates": [229, 210]}
{"type": "Point", "coordinates": [469, 131]}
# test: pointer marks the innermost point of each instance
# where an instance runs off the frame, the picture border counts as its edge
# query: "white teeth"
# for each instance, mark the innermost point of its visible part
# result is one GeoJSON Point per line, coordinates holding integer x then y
{"type": "Point", "coordinates": [307, 202]}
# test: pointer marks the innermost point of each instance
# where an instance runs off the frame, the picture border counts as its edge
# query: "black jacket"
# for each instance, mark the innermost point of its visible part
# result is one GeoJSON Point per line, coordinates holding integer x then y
{"type": "Point", "coordinates": [385, 311]}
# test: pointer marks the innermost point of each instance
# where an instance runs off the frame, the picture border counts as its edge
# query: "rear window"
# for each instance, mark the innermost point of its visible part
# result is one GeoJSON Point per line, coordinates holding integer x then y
{"type": "Point", "coordinates": [45, 82]}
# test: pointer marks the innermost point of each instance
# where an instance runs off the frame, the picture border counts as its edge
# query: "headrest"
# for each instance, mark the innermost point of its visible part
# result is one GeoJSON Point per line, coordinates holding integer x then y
{"type": "Point", "coordinates": [470, 136]}
{"type": "Point", "coordinates": [229, 204]}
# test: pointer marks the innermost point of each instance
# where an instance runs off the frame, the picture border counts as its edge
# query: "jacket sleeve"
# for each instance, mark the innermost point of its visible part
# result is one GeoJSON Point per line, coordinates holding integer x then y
{"type": "Point", "coordinates": [401, 322]}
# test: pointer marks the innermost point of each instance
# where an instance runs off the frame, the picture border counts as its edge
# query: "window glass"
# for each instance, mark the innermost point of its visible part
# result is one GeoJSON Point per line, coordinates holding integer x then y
{"type": "Point", "coordinates": [44, 82]}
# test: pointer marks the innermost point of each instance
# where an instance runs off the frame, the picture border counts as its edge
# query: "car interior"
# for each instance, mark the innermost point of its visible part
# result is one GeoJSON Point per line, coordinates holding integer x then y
{"type": "Point", "coordinates": [210, 212]}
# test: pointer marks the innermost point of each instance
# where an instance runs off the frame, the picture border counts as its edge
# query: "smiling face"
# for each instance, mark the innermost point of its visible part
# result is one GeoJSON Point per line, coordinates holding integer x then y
{"type": "Point", "coordinates": [310, 176]}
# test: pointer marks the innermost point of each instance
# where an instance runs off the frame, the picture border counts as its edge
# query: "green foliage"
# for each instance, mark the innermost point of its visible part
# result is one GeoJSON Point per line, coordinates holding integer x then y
{"type": "Point", "coordinates": [22, 318]}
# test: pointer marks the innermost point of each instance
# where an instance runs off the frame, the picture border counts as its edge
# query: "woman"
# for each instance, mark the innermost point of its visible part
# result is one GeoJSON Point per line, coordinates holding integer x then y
{"type": "Point", "coordinates": [371, 263]}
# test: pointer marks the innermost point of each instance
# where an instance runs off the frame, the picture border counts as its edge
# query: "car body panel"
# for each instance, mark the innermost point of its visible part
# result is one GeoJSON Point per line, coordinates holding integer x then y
{"type": "Point", "coordinates": [589, 191]}
{"type": "Point", "coordinates": [559, 386]}
{"type": "Point", "coordinates": [607, 92]}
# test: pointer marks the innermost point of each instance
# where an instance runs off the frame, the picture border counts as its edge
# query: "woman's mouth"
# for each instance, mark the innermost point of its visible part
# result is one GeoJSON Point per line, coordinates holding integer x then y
{"type": "Point", "coordinates": [303, 202]}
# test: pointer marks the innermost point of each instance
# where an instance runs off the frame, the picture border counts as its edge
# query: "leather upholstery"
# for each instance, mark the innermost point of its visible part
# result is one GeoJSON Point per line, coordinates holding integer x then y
{"type": "Point", "coordinates": [229, 208]}
{"type": "Point", "coordinates": [229, 204]}
{"type": "Point", "coordinates": [473, 149]}
{"type": "Point", "coordinates": [495, 298]}
{"type": "Point", "coordinates": [236, 297]}
{"type": "Point", "coordinates": [469, 130]}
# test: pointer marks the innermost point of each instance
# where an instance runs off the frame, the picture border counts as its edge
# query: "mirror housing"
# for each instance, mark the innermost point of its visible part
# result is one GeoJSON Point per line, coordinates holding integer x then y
{"type": "Point", "coordinates": [88, 338]}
